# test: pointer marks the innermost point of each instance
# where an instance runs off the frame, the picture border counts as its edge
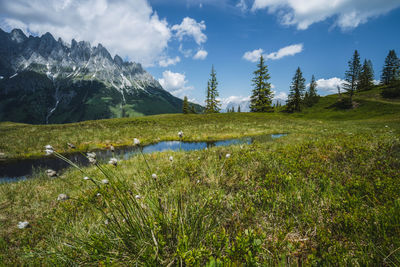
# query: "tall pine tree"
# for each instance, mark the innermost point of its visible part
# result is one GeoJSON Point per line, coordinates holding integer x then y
{"type": "Point", "coordinates": [366, 76]}
{"type": "Point", "coordinates": [185, 106]}
{"type": "Point", "coordinates": [352, 75]}
{"type": "Point", "coordinates": [311, 97]}
{"type": "Point", "coordinates": [261, 99]}
{"type": "Point", "coordinates": [212, 104]}
{"type": "Point", "coordinates": [296, 92]}
{"type": "Point", "coordinates": [390, 69]}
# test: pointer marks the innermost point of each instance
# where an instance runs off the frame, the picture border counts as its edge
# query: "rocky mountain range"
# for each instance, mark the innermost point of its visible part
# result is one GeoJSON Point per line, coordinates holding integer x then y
{"type": "Point", "coordinates": [43, 80]}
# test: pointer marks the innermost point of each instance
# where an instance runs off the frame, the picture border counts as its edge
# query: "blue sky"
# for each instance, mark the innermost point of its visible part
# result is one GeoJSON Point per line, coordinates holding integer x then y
{"type": "Point", "coordinates": [178, 40]}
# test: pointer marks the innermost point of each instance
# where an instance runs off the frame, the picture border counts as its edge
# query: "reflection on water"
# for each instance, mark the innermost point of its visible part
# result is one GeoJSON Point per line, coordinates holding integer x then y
{"type": "Point", "coordinates": [22, 169]}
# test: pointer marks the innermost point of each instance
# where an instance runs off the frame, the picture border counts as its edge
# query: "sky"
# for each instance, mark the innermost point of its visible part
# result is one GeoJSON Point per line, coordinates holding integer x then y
{"type": "Point", "coordinates": [178, 41]}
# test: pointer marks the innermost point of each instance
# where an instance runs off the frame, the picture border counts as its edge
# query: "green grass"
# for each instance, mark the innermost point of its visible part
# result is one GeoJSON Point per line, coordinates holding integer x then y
{"type": "Point", "coordinates": [327, 193]}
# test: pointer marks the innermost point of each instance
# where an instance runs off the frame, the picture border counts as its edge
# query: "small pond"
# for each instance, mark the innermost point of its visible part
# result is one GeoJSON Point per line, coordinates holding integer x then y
{"type": "Point", "coordinates": [17, 170]}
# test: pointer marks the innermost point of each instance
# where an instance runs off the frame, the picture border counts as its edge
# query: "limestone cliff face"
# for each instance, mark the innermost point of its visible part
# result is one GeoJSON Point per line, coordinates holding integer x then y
{"type": "Point", "coordinates": [43, 80]}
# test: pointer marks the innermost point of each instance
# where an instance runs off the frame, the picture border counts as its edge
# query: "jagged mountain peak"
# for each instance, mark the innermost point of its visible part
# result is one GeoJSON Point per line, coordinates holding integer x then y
{"type": "Point", "coordinates": [64, 78]}
{"type": "Point", "coordinates": [18, 36]}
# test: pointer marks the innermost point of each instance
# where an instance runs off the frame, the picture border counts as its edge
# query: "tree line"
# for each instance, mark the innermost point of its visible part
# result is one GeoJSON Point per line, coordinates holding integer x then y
{"type": "Point", "coordinates": [358, 77]}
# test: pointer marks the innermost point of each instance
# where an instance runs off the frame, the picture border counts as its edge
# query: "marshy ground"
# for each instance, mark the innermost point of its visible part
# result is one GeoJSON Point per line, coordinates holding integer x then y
{"type": "Point", "coordinates": [327, 193]}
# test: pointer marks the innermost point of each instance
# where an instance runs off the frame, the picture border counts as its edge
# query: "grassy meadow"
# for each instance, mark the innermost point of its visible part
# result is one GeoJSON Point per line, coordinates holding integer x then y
{"type": "Point", "coordinates": [325, 194]}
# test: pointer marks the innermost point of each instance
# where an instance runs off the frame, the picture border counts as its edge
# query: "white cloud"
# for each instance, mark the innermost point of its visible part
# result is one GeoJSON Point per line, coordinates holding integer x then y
{"type": "Point", "coordinates": [191, 28]}
{"type": "Point", "coordinates": [201, 54]}
{"type": "Point", "coordinates": [280, 96]}
{"type": "Point", "coordinates": [242, 5]}
{"type": "Point", "coordinates": [348, 13]}
{"type": "Point", "coordinates": [290, 50]}
{"type": "Point", "coordinates": [329, 85]}
{"type": "Point", "coordinates": [235, 101]}
{"type": "Point", "coordinates": [253, 56]}
{"type": "Point", "coordinates": [175, 83]}
{"type": "Point", "coordinates": [169, 61]}
{"type": "Point", "coordinates": [129, 28]}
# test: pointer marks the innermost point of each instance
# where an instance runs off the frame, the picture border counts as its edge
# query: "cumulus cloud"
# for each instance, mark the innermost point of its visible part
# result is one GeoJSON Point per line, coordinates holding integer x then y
{"type": "Point", "coordinates": [348, 13]}
{"type": "Point", "coordinates": [291, 50]}
{"type": "Point", "coordinates": [169, 61]}
{"type": "Point", "coordinates": [129, 28]}
{"type": "Point", "coordinates": [201, 54]}
{"type": "Point", "coordinates": [329, 85]}
{"type": "Point", "coordinates": [191, 28]}
{"type": "Point", "coordinates": [253, 56]}
{"type": "Point", "coordinates": [175, 83]}
{"type": "Point", "coordinates": [280, 96]}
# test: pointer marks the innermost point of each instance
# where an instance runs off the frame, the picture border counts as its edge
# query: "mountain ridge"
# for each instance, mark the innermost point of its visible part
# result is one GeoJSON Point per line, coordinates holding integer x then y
{"type": "Point", "coordinates": [54, 78]}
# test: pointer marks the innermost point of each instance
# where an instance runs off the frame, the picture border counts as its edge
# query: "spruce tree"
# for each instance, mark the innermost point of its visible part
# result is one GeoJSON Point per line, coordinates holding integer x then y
{"type": "Point", "coordinates": [366, 76]}
{"type": "Point", "coordinates": [390, 69]}
{"type": "Point", "coordinates": [212, 104]}
{"type": "Point", "coordinates": [296, 92]}
{"type": "Point", "coordinates": [185, 106]}
{"type": "Point", "coordinates": [238, 109]}
{"type": "Point", "coordinates": [192, 109]}
{"type": "Point", "coordinates": [261, 99]}
{"type": "Point", "coordinates": [311, 97]}
{"type": "Point", "coordinates": [352, 75]}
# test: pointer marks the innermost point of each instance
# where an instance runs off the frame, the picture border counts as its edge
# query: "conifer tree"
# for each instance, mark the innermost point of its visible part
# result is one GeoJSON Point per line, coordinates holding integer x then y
{"type": "Point", "coordinates": [311, 96]}
{"type": "Point", "coordinates": [185, 106]}
{"type": "Point", "coordinates": [192, 109]}
{"type": "Point", "coordinates": [366, 76]}
{"type": "Point", "coordinates": [238, 109]}
{"type": "Point", "coordinates": [296, 92]}
{"type": "Point", "coordinates": [352, 75]}
{"type": "Point", "coordinates": [212, 104]}
{"type": "Point", "coordinates": [261, 98]}
{"type": "Point", "coordinates": [390, 69]}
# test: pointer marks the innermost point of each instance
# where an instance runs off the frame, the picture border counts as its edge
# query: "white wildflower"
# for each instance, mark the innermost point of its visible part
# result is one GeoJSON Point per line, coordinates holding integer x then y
{"type": "Point", "coordinates": [86, 178]}
{"type": "Point", "coordinates": [136, 141]}
{"type": "Point", "coordinates": [104, 181]}
{"type": "Point", "coordinates": [112, 148]}
{"type": "Point", "coordinates": [62, 197]}
{"type": "Point", "coordinates": [180, 134]}
{"type": "Point", "coordinates": [71, 145]}
{"type": "Point", "coordinates": [154, 176]}
{"type": "Point", "coordinates": [171, 158]}
{"type": "Point", "coordinates": [22, 225]}
{"type": "Point", "coordinates": [138, 196]}
{"type": "Point", "coordinates": [98, 194]}
{"type": "Point", "coordinates": [49, 149]}
{"type": "Point", "coordinates": [386, 126]}
{"type": "Point", "coordinates": [51, 173]}
{"type": "Point", "coordinates": [91, 155]}
{"type": "Point", "coordinates": [113, 161]}
{"type": "Point", "coordinates": [106, 222]}
{"type": "Point", "coordinates": [228, 156]}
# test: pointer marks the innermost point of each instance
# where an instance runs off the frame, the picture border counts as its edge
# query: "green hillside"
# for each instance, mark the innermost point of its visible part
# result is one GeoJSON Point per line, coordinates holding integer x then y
{"type": "Point", "coordinates": [325, 194]}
